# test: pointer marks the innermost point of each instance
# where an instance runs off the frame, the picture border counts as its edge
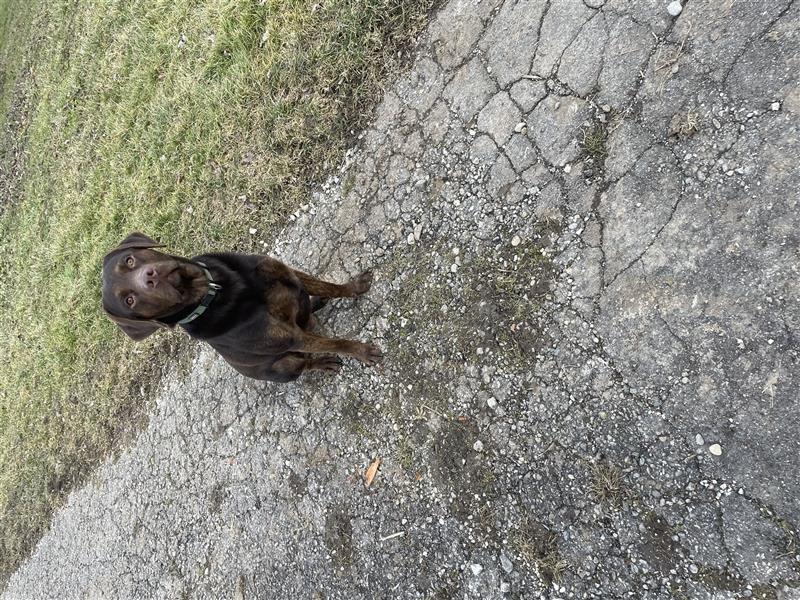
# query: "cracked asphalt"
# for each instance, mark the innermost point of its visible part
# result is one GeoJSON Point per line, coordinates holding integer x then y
{"type": "Point", "coordinates": [583, 219]}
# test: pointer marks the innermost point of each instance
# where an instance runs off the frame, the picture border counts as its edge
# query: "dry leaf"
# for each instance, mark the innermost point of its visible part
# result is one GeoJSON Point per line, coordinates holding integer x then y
{"type": "Point", "coordinates": [371, 472]}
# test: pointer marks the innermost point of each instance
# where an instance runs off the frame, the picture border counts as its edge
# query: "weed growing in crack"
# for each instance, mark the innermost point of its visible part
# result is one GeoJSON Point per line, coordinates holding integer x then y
{"type": "Point", "coordinates": [684, 125]}
{"type": "Point", "coordinates": [594, 141]}
{"type": "Point", "coordinates": [536, 546]}
{"type": "Point", "coordinates": [606, 482]}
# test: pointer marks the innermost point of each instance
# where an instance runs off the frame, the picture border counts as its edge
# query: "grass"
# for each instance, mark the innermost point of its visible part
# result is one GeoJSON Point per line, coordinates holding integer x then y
{"type": "Point", "coordinates": [594, 141]}
{"type": "Point", "coordinates": [192, 122]}
{"type": "Point", "coordinates": [606, 483]}
{"type": "Point", "coordinates": [537, 547]}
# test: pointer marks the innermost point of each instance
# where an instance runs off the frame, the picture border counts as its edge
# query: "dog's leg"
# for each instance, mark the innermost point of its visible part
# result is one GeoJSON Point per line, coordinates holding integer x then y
{"type": "Point", "coordinates": [310, 343]}
{"type": "Point", "coordinates": [291, 366]}
{"type": "Point", "coordinates": [318, 287]}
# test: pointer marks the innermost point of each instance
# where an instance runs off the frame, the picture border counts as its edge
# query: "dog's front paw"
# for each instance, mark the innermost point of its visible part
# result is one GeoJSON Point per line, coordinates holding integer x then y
{"type": "Point", "coordinates": [361, 284]}
{"type": "Point", "coordinates": [370, 354]}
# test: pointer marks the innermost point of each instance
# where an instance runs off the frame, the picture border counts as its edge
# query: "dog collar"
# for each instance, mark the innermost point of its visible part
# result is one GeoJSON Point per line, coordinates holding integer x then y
{"type": "Point", "coordinates": [213, 289]}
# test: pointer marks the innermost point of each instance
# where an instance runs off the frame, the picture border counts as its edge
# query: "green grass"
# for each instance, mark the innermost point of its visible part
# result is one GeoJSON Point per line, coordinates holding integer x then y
{"type": "Point", "coordinates": [190, 121]}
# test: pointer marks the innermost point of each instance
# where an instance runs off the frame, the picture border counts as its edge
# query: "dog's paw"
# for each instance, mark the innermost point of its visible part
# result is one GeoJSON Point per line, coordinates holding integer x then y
{"type": "Point", "coordinates": [328, 364]}
{"type": "Point", "coordinates": [370, 354]}
{"type": "Point", "coordinates": [361, 284]}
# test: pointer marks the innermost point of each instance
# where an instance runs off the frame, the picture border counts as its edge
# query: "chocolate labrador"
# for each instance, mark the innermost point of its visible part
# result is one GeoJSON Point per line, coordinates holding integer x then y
{"type": "Point", "coordinates": [254, 310]}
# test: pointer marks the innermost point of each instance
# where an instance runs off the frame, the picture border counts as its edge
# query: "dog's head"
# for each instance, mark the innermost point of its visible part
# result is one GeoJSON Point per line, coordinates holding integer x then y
{"type": "Point", "coordinates": [142, 286]}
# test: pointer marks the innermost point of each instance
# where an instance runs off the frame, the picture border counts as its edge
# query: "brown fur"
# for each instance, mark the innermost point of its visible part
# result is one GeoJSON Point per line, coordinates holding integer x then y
{"type": "Point", "coordinates": [261, 320]}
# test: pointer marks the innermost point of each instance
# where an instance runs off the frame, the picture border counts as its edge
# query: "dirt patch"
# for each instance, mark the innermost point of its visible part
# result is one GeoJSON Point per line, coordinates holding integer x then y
{"type": "Point", "coordinates": [338, 536]}
{"type": "Point", "coordinates": [12, 142]}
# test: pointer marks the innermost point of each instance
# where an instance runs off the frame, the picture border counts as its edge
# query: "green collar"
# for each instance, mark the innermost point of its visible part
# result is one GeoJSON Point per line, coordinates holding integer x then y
{"type": "Point", "coordinates": [213, 289]}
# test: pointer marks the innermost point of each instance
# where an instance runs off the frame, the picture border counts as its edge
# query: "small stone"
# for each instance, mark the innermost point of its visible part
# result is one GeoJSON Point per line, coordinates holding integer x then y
{"type": "Point", "coordinates": [775, 106]}
{"type": "Point", "coordinates": [515, 241]}
{"type": "Point", "coordinates": [715, 449]}
{"type": "Point", "coordinates": [411, 239]}
{"type": "Point", "coordinates": [505, 562]}
{"type": "Point", "coordinates": [505, 587]}
{"type": "Point", "coordinates": [520, 127]}
{"type": "Point", "coordinates": [674, 8]}
{"type": "Point", "coordinates": [476, 569]}
{"type": "Point", "coordinates": [699, 439]}
{"type": "Point", "coordinates": [491, 403]}
{"type": "Point", "coordinates": [453, 268]}
{"type": "Point", "coordinates": [478, 446]}
{"type": "Point", "coordinates": [606, 108]}
{"type": "Point", "coordinates": [417, 231]}
{"type": "Point", "coordinates": [693, 568]}
{"type": "Point", "coordinates": [567, 168]}
{"type": "Point", "coordinates": [253, 230]}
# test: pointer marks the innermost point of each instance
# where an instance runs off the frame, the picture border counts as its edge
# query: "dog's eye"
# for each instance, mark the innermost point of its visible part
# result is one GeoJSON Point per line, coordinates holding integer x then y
{"type": "Point", "coordinates": [129, 300]}
{"type": "Point", "coordinates": [129, 261]}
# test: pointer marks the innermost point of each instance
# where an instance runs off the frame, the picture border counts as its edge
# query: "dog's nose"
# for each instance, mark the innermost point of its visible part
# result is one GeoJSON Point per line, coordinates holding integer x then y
{"type": "Point", "coordinates": [149, 277]}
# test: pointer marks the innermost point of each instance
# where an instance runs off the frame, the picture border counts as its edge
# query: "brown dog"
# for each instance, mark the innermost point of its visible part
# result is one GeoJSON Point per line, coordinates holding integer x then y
{"type": "Point", "coordinates": [254, 310]}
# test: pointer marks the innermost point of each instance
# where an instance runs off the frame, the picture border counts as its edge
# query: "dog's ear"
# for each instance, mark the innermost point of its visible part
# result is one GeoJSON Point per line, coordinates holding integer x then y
{"type": "Point", "coordinates": [138, 240]}
{"type": "Point", "coordinates": [132, 242]}
{"type": "Point", "coordinates": [135, 329]}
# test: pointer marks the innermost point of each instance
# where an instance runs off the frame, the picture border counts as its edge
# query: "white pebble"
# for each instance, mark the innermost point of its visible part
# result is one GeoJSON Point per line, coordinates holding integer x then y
{"type": "Point", "coordinates": [715, 449]}
{"type": "Point", "coordinates": [775, 106]}
{"type": "Point", "coordinates": [491, 403]}
{"type": "Point", "coordinates": [520, 127]}
{"type": "Point", "coordinates": [699, 439]}
{"type": "Point", "coordinates": [253, 230]}
{"type": "Point", "coordinates": [674, 8]}
{"type": "Point", "coordinates": [515, 241]}
{"type": "Point", "coordinates": [567, 168]}
{"type": "Point", "coordinates": [478, 446]}
{"type": "Point", "coordinates": [411, 239]}
{"type": "Point", "coordinates": [476, 569]}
